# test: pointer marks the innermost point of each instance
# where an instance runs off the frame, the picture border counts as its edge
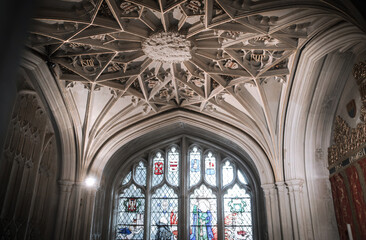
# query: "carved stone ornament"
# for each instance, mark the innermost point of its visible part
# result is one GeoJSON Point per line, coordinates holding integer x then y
{"type": "Point", "coordinates": [214, 42]}
{"type": "Point", "coordinates": [359, 72]}
{"type": "Point", "coordinates": [346, 140]}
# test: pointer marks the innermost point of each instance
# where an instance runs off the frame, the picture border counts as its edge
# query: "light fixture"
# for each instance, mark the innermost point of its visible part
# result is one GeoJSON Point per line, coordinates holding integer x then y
{"type": "Point", "coordinates": [90, 181]}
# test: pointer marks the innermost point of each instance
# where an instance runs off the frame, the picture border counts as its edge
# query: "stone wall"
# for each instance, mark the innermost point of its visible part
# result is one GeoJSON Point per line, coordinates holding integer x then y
{"type": "Point", "coordinates": [347, 161]}
{"type": "Point", "coordinates": [28, 171]}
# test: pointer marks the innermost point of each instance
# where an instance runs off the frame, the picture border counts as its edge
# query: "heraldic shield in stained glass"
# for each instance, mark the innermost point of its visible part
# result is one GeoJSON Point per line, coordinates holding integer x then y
{"type": "Point", "coordinates": [164, 214]}
{"type": "Point", "coordinates": [159, 185]}
{"type": "Point", "coordinates": [158, 169]}
{"type": "Point", "coordinates": [203, 214]}
{"type": "Point", "coordinates": [173, 166]}
{"type": "Point", "coordinates": [130, 216]}
{"type": "Point", "coordinates": [210, 169]}
{"type": "Point", "coordinates": [238, 216]}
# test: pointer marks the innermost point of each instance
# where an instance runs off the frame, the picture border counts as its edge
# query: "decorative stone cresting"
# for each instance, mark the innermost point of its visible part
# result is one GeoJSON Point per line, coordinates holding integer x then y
{"type": "Point", "coordinates": [168, 47]}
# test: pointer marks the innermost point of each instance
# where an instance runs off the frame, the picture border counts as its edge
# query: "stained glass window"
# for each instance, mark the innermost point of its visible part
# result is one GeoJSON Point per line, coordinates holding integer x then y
{"type": "Point", "coordinates": [210, 169]}
{"type": "Point", "coordinates": [242, 178]}
{"type": "Point", "coordinates": [164, 214]}
{"type": "Point", "coordinates": [173, 166]}
{"type": "Point", "coordinates": [130, 215]}
{"type": "Point", "coordinates": [227, 173]}
{"type": "Point", "coordinates": [203, 214]}
{"type": "Point", "coordinates": [158, 169]}
{"type": "Point", "coordinates": [155, 184]}
{"type": "Point", "coordinates": [140, 174]}
{"type": "Point", "coordinates": [195, 166]}
{"type": "Point", "coordinates": [238, 215]}
{"type": "Point", "coordinates": [127, 179]}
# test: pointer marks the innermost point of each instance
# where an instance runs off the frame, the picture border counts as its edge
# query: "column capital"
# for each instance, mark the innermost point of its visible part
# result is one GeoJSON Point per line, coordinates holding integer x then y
{"type": "Point", "coordinates": [295, 184]}
{"type": "Point", "coordinates": [268, 186]}
{"type": "Point", "coordinates": [268, 189]}
{"type": "Point", "coordinates": [66, 185]}
{"type": "Point", "coordinates": [281, 186]}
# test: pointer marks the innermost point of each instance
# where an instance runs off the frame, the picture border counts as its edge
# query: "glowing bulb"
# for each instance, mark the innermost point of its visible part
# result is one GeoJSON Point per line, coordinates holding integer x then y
{"type": "Point", "coordinates": [90, 181]}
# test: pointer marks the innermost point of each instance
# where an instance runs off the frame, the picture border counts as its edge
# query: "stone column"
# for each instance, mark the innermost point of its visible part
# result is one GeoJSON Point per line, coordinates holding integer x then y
{"type": "Point", "coordinates": [285, 211]}
{"type": "Point", "coordinates": [272, 211]}
{"type": "Point", "coordinates": [97, 215]}
{"type": "Point", "coordinates": [63, 207]}
{"type": "Point", "coordinates": [88, 213]}
{"type": "Point", "coordinates": [297, 208]}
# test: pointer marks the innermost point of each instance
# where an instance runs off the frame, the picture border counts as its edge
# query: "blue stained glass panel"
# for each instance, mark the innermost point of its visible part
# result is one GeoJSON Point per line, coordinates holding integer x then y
{"type": "Point", "coordinates": [158, 169]}
{"type": "Point", "coordinates": [210, 169]}
{"type": "Point", "coordinates": [164, 214]}
{"type": "Point", "coordinates": [173, 166]}
{"type": "Point", "coordinates": [195, 166]}
{"type": "Point", "coordinates": [203, 214]}
{"type": "Point", "coordinates": [238, 215]}
{"type": "Point", "coordinates": [140, 174]}
{"type": "Point", "coordinates": [130, 214]}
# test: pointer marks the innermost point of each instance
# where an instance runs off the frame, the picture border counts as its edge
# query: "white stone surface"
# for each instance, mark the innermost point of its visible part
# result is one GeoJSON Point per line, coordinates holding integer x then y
{"type": "Point", "coordinates": [168, 47]}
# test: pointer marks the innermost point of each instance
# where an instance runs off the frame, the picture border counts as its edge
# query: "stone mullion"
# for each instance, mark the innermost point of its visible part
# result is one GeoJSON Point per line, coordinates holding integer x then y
{"type": "Point", "coordinates": [184, 213]}
{"type": "Point", "coordinates": [147, 193]}
{"type": "Point", "coordinates": [6, 163]}
{"type": "Point", "coordinates": [41, 195]}
{"type": "Point", "coordinates": [220, 202]}
{"type": "Point", "coordinates": [12, 189]}
{"type": "Point", "coordinates": [27, 203]}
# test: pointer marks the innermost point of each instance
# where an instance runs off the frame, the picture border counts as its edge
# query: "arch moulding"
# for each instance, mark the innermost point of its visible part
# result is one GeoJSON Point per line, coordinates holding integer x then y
{"type": "Point", "coordinates": [180, 118]}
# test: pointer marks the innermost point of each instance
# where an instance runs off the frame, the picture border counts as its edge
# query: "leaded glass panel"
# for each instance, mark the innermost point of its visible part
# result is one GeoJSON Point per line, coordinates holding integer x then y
{"type": "Point", "coordinates": [164, 214]}
{"type": "Point", "coordinates": [238, 214]}
{"type": "Point", "coordinates": [195, 166]}
{"type": "Point", "coordinates": [203, 214]}
{"type": "Point", "coordinates": [173, 166]}
{"type": "Point", "coordinates": [127, 179]}
{"type": "Point", "coordinates": [210, 169]}
{"type": "Point", "coordinates": [140, 174]}
{"type": "Point", "coordinates": [165, 195]}
{"type": "Point", "coordinates": [227, 173]}
{"type": "Point", "coordinates": [158, 169]}
{"type": "Point", "coordinates": [242, 178]}
{"type": "Point", "coordinates": [130, 214]}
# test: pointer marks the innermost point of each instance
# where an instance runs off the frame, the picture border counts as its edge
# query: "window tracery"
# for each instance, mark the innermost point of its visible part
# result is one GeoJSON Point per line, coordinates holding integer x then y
{"type": "Point", "coordinates": [212, 196]}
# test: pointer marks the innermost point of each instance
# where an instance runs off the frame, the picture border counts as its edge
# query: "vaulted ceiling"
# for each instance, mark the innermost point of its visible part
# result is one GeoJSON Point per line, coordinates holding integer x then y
{"type": "Point", "coordinates": [122, 61]}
